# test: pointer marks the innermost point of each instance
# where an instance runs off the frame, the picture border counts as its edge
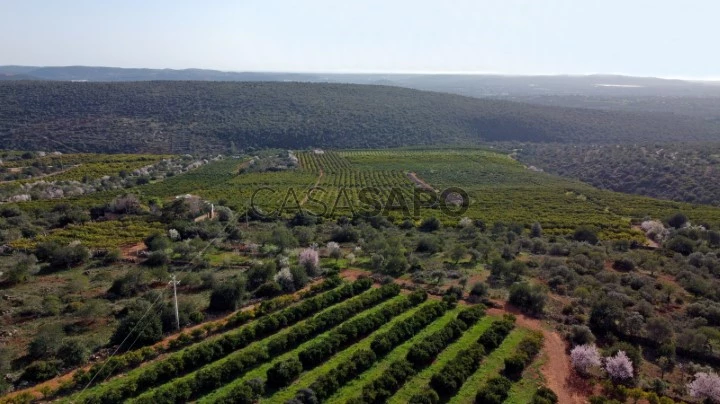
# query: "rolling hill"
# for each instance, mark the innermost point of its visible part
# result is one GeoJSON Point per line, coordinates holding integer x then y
{"type": "Point", "coordinates": [191, 116]}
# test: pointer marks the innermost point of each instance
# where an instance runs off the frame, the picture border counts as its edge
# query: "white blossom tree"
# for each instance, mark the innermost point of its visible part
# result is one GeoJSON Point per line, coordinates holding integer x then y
{"type": "Point", "coordinates": [285, 278]}
{"type": "Point", "coordinates": [706, 386]}
{"type": "Point", "coordinates": [334, 250]}
{"type": "Point", "coordinates": [619, 367]}
{"type": "Point", "coordinates": [309, 259]}
{"type": "Point", "coordinates": [585, 358]}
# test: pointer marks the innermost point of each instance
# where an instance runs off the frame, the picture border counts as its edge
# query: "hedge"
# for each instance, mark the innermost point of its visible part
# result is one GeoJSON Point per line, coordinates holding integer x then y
{"type": "Point", "coordinates": [495, 391]}
{"type": "Point", "coordinates": [418, 357]}
{"type": "Point", "coordinates": [233, 366]}
{"type": "Point", "coordinates": [348, 333]}
{"type": "Point", "coordinates": [526, 351]}
{"type": "Point", "coordinates": [212, 350]}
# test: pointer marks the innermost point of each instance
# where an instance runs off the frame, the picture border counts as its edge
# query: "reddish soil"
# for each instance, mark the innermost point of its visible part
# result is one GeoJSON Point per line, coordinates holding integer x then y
{"type": "Point", "coordinates": [353, 274]}
{"type": "Point", "coordinates": [420, 182]}
{"type": "Point", "coordinates": [557, 370]}
{"type": "Point", "coordinates": [648, 241]}
{"type": "Point", "coordinates": [130, 252]}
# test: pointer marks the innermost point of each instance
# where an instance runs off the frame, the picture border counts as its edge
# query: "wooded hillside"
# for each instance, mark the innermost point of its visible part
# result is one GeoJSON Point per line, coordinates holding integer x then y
{"type": "Point", "coordinates": [178, 117]}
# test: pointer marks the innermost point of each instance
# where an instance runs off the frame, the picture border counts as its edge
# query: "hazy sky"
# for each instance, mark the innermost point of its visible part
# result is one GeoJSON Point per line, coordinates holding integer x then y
{"type": "Point", "coordinates": [637, 37]}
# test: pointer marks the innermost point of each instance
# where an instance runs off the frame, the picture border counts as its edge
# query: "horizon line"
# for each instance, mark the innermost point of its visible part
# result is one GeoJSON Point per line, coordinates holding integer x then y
{"type": "Point", "coordinates": [399, 72]}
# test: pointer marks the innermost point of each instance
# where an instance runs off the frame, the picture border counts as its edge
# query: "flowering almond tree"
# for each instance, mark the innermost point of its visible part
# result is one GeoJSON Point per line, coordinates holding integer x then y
{"type": "Point", "coordinates": [310, 260]}
{"type": "Point", "coordinates": [619, 367]}
{"type": "Point", "coordinates": [706, 386]}
{"type": "Point", "coordinates": [585, 358]}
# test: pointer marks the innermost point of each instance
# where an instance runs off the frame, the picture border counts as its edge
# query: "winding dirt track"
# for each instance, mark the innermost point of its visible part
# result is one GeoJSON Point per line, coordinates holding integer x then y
{"type": "Point", "coordinates": [557, 369]}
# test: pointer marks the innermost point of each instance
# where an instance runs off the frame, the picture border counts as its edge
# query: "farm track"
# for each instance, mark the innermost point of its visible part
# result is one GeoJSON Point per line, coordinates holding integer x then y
{"type": "Point", "coordinates": [557, 370]}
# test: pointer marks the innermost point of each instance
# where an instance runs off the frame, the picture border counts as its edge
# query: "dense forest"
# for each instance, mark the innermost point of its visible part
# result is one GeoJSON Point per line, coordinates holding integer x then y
{"type": "Point", "coordinates": [679, 172]}
{"type": "Point", "coordinates": [178, 117]}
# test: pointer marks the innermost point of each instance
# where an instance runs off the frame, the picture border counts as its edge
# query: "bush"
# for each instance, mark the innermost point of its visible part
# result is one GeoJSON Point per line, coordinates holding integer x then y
{"type": "Point", "coordinates": [496, 333]}
{"type": "Point", "coordinates": [423, 353]}
{"type": "Point", "coordinates": [479, 291]}
{"type": "Point", "coordinates": [452, 376]}
{"type": "Point", "coordinates": [430, 224]}
{"type": "Point", "coordinates": [495, 391]}
{"type": "Point", "coordinates": [39, 371]}
{"type": "Point", "coordinates": [427, 396]}
{"type": "Point", "coordinates": [73, 352]}
{"type": "Point", "coordinates": [428, 244]}
{"type": "Point", "coordinates": [390, 381]}
{"type": "Point", "coordinates": [150, 332]}
{"type": "Point", "coordinates": [528, 298]}
{"type": "Point", "coordinates": [227, 296]}
{"type": "Point", "coordinates": [405, 329]}
{"type": "Point", "coordinates": [349, 332]}
{"type": "Point", "coordinates": [581, 335]}
{"type": "Point", "coordinates": [62, 257]}
{"type": "Point", "coordinates": [47, 341]}
{"type": "Point", "coordinates": [544, 395]}
{"type": "Point", "coordinates": [283, 373]}
{"type": "Point", "coordinates": [327, 384]}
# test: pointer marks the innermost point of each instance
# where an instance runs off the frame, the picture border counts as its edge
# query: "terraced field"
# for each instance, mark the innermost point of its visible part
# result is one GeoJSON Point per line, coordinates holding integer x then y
{"type": "Point", "coordinates": [345, 344]}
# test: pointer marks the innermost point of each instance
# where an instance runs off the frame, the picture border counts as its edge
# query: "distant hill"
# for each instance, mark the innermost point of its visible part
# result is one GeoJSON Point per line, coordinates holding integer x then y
{"type": "Point", "coordinates": [90, 73]}
{"type": "Point", "coordinates": [476, 85]}
{"type": "Point", "coordinates": [173, 117]}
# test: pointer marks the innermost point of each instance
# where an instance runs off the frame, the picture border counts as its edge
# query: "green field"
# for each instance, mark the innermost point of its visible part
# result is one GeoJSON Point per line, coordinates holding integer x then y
{"type": "Point", "coordinates": [499, 189]}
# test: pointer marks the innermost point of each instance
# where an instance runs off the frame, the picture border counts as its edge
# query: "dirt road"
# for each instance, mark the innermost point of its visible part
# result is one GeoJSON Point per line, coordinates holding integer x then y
{"type": "Point", "coordinates": [557, 369]}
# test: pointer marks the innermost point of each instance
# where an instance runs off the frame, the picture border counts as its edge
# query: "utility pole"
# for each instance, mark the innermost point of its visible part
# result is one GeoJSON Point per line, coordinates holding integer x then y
{"type": "Point", "coordinates": [177, 312]}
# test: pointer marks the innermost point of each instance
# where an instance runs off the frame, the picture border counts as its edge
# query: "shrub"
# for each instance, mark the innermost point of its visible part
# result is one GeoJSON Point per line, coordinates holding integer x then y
{"type": "Point", "coordinates": [581, 335]}
{"type": "Point", "coordinates": [327, 384]}
{"type": "Point", "coordinates": [526, 351]}
{"type": "Point", "coordinates": [427, 396]}
{"type": "Point", "coordinates": [227, 296]}
{"type": "Point", "coordinates": [479, 291]}
{"type": "Point", "coordinates": [382, 388]}
{"type": "Point", "coordinates": [430, 224]}
{"type": "Point", "coordinates": [544, 395]}
{"type": "Point", "coordinates": [428, 244]}
{"type": "Point", "coordinates": [127, 330]}
{"type": "Point", "coordinates": [528, 298]}
{"type": "Point", "coordinates": [496, 333]}
{"type": "Point", "coordinates": [41, 370]}
{"type": "Point", "coordinates": [47, 341]}
{"type": "Point", "coordinates": [284, 372]}
{"type": "Point", "coordinates": [422, 353]}
{"type": "Point", "coordinates": [495, 391]}
{"type": "Point", "coordinates": [73, 352]}
{"type": "Point", "coordinates": [405, 329]}
{"type": "Point", "coordinates": [452, 376]}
